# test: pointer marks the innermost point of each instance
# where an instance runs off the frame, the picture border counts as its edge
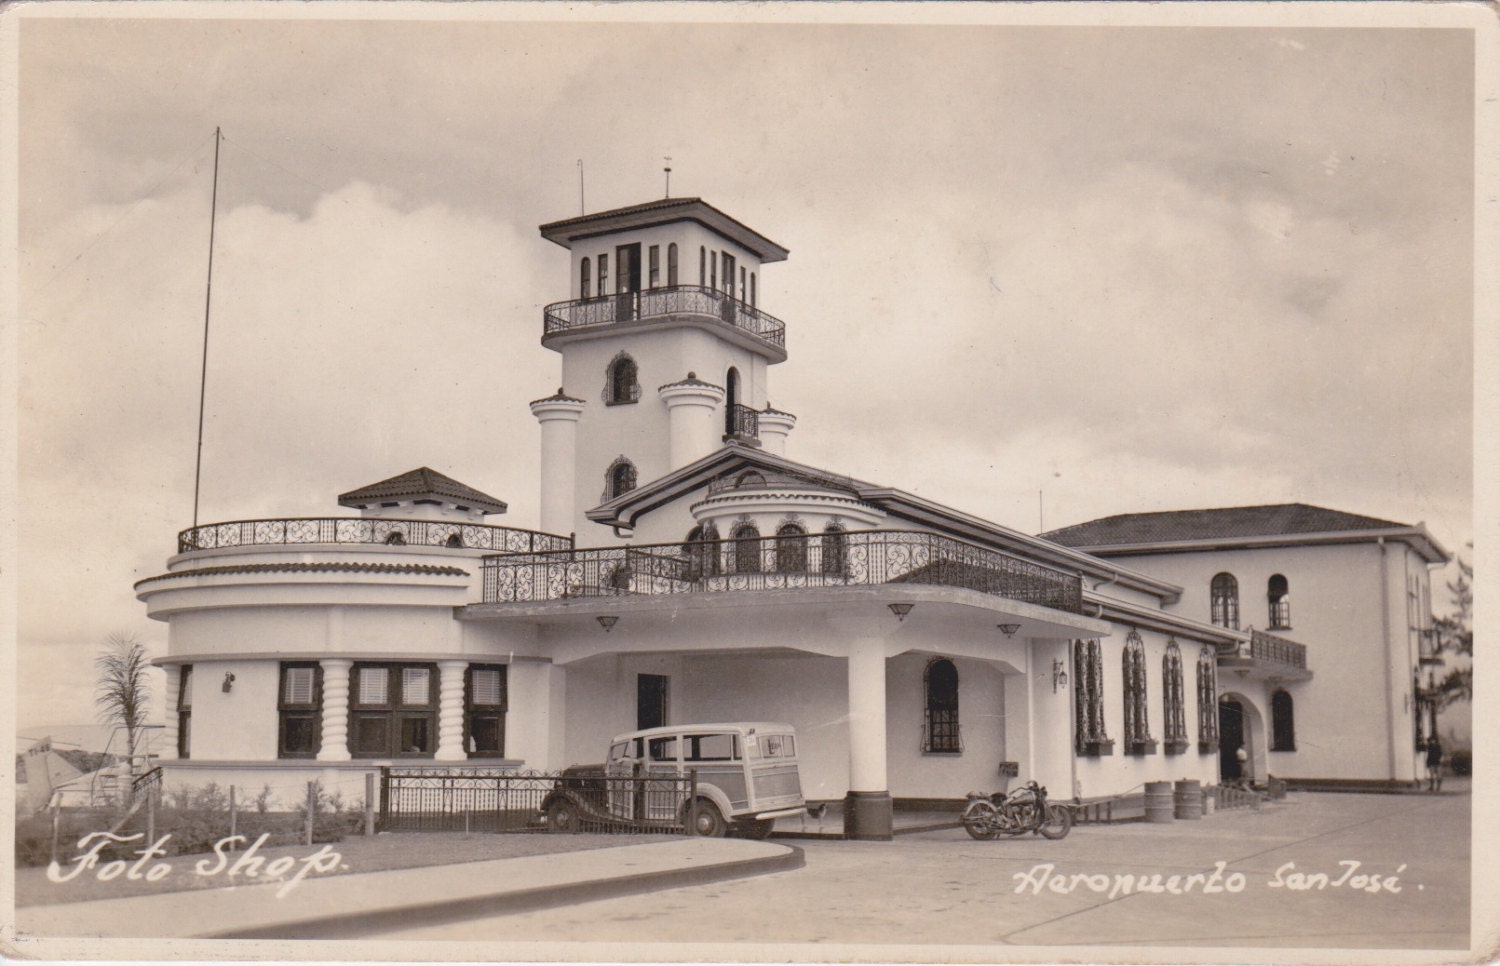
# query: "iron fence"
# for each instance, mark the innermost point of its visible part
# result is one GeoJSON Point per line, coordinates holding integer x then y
{"type": "Point", "coordinates": [660, 303]}
{"type": "Point", "coordinates": [478, 800]}
{"type": "Point", "coordinates": [368, 530]}
{"type": "Point", "coordinates": [830, 559]}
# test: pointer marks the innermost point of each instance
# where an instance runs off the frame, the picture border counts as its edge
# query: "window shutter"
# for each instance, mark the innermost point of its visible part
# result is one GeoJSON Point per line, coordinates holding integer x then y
{"type": "Point", "coordinates": [373, 688]}
{"type": "Point", "coordinates": [299, 685]}
{"type": "Point", "coordinates": [415, 686]}
{"type": "Point", "coordinates": [485, 687]}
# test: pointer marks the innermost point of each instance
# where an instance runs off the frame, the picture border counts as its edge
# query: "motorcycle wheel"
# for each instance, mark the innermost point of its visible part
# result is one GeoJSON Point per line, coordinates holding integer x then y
{"type": "Point", "coordinates": [980, 820]}
{"type": "Point", "coordinates": [1059, 822]}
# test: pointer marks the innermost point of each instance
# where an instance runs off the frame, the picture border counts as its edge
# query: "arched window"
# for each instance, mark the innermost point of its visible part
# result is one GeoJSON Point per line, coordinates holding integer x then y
{"type": "Point", "coordinates": [713, 270]}
{"type": "Point", "coordinates": [454, 540]}
{"type": "Point", "coordinates": [1208, 701]}
{"type": "Point", "coordinates": [584, 278]}
{"type": "Point", "coordinates": [746, 539]}
{"type": "Point", "coordinates": [791, 549]}
{"type": "Point", "coordinates": [1224, 601]}
{"type": "Point", "coordinates": [702, 266]}
{"type": "Point", "coordinates": [1138, 739]}
{"type": "Point", "coordinates": [752, 289]}
{"type": "Point", "coordinates": [1279, 599]}
{"type": "Point", "coordinates": [396, 539]}
{"type": "Point", "coordinates": [1283, 726]}
{"type": "Point", "coordinates": [1174, 710]}
{"type": "Point", "coordinates": [831, 547]}
{"type": "Point", "coordinates": [1089, 736]}
{"type": "Point", "coordinates": [619, 478]}
{"type": "Point", "coordinates": [702, 552]}
{"type": "Point", "coordinates": [672, 265]}
{"type": "Point", "coordinates": [621, 381]}
{"type": "Point", "coordinates": [941, 734]}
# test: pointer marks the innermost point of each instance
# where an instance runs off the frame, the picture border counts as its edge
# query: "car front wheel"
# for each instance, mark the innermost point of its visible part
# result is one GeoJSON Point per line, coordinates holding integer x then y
{"type": "Point", "coordinates": [706, 821]}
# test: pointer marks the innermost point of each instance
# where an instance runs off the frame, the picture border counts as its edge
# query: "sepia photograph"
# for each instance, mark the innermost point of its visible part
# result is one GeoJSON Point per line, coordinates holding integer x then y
{"type": "Point", "coordinates": [659, 482]}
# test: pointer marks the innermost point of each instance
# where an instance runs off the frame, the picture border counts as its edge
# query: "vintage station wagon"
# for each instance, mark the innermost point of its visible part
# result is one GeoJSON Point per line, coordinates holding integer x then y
{"type": "Point", "coordinates": [746, 779]}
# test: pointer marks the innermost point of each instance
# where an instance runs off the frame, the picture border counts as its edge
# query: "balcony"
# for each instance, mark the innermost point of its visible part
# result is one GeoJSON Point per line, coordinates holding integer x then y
{"type": "Point", "coordinates": [742, 423]}
{"type": "Point", "coordinates": [302, 531]}
{"type": "Point", "coordinates": [843, 559]}
{"type": "Point", "coordinates": [692, 303]}
{"type": "Point", "coordinates": [1268, 656]}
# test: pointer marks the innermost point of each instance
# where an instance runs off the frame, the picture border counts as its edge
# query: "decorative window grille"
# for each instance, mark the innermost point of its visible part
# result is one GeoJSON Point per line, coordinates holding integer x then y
{"type": "Point", "coordinates": [1283, 725]}
{"type": "Point", "coordinates": [746, 539]}
{"type": "Point", "coordinates": [1138, 740]}
{"type": "Point", "coordinates": [619, 478]}
{"type": "Point", "coordinates": [584, 278]}
{"type": "Point", "coordinates": [702, 552]}
{"type": "Point", "coordinates": [940, 684]}
{"type": "Point", "coordinates": [484, 711]}
{"type": "Point", "coordinates": [1174, 710]}
{"type": "Point", "coordinates": [672, 265]}
{"type": "Point", "coordinates": [184, 711]}
{"type": "Point", "coordinates": [300, 713]}
{"type": "Point", "coordinates": [791, 549]}
{"type": "Point", "coordinates": [394, 711]}
{"type": "Point", "coordinates": [1208, 701]}
{"type": "Point", "coordinates": [621, 381]}
{"type": "Point", "coordinates": [1224, 601]}
{"type": "Point", "coordinates": [1089, 733]}
{"type": "Point", "coordinates": [832, 546]}
{"type": "Point", "coordinates": [1279, 601]}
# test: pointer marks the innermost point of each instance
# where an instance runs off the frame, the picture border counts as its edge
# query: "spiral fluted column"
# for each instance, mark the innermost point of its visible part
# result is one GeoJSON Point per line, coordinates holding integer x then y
{"type": "Point", "coordinates": [168, 749]}
{"type": "Point", "coordinates": [451, 711]}
{"type": "Point", "coordinates": [335, 745]}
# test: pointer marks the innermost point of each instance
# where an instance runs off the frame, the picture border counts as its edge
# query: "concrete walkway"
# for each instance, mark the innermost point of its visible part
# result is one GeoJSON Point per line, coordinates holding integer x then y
{"type": "Point", "coordinates": [354, 905]}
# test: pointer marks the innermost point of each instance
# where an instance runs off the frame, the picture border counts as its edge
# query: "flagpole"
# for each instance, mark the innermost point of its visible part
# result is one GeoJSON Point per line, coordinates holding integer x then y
{"type": "Point", "coordinates": [207, 303]}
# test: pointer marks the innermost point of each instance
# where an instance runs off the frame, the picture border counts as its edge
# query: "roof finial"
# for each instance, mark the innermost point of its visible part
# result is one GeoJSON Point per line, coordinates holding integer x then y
{"type": "Point", "coordinates": [668, 170]}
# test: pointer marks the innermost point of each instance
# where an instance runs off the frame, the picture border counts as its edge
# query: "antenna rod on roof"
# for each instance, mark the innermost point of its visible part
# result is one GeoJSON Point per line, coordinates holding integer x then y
{"type": "Point", "coordinates": [581, 209]}
{"type": "Point", "coordinates": [208, 297]}
{"type": "Point", "coordinates": [668, 170]}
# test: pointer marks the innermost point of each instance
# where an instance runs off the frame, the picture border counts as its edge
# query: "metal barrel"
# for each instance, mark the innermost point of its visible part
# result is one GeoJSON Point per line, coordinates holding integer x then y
{"type": "Point", "coordinates": [1158, 801]}
{"type": "Point", "coordinates": [1188, 799]}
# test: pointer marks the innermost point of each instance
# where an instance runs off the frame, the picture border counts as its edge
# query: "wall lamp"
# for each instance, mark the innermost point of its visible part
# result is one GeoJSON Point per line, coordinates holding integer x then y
{"type": "Point", "coordinates": [1059, 674]}
{"type": "Point", "coordinates": [607, 621]}
{"type": "Point", "coordinates": [901, 610]}
{"type": "Point", "coordinates": [228, 681]}
{"type": "Point", "coordinates": [1009, 630]}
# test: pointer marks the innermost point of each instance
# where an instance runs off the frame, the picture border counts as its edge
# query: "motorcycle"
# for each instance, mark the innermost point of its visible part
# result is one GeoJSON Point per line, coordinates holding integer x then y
{"type": "Point", "coordinates": [1024, 810]}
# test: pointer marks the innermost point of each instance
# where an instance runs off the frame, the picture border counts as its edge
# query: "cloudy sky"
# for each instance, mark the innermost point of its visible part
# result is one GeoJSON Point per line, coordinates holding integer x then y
{"type": "Point", "coordinates": [1134, 269]}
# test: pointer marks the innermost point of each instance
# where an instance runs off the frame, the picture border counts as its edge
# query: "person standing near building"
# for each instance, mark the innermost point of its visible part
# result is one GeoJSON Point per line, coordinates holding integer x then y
{"type": "Point", "coordinates": [1242, 757]}
{"type": "Point", "coordinates": [1434, 764]}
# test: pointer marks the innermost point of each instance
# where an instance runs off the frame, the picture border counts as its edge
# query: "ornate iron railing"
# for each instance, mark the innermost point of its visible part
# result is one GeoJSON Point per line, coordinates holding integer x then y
{"type": "Point", "coordinates": [834, 559]}
{"type": "Point", "coordinates": [422, 533]}
{"type": "Point", "coordinates": [742, 421]}
{"type": "Point", "coordinates": [662, 303]}
{"type": "Point", "coordinates": [1269, 647]}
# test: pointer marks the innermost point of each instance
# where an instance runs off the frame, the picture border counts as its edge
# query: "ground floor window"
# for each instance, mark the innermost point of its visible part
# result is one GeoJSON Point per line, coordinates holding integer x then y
{"type": "Point", "coordinates": [1283, 730]}
{"type": "Point", "coordinates": [1138, 740]}
{"type": "Point", "coordinates": [941, 727]}
{"type": "Point", "coordinates": [300, 709]}
{"type": "Point", "coordinates": [184, 710]}
{"type": "Point", "coordinates": [1174, 712]}
{"type": "Point", "coordinates": [1208, 702]}
{"type": "Point", "coordinates": [1088, 705]}
{"type": "Point", "coordinates": [393, 711]}
{"type": "Point", "coordinates": [484, 711]}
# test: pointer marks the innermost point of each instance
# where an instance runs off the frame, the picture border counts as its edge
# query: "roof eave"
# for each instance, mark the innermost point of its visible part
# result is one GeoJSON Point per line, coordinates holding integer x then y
{"type": "Point", "coordinates": [1417, 537]}
{"type": "Point", "coordinates": [569, 230]}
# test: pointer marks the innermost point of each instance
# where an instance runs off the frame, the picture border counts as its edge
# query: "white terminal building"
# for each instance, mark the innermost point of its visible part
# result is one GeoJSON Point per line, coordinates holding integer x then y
{"type": "Point", "coordinates": [688, 569]}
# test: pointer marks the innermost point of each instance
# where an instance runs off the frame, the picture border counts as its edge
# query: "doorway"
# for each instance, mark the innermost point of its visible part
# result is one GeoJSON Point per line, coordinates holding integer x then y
{"type": "Point", "coordinates": [650, 700]}
{"type": "Point", "coordinates": [627, 279]}
{"type": "Point", "coordinates": [1231, 737]}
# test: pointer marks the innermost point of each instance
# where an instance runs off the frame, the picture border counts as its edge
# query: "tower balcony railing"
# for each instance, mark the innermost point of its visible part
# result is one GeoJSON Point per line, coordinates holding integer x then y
{"type": "Point", "coordinates": [679, 301]}
{"type": "Point", "coordinates": [302, 531]}
{"type": "Point", "coordinates": [743, 422]}
{"type": "Point", "coordinates": [787, 562]}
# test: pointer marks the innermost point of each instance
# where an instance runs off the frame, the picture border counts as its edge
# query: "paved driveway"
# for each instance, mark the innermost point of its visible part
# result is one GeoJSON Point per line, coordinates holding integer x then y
{"type": "Point", "coordinates": [898, 900]}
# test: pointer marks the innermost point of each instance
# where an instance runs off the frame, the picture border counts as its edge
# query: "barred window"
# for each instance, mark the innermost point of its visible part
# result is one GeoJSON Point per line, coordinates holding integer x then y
{"type": "Point", "coordinates": [1138, 739]}
{"type": "Point", "coordinates": [622, 381]}
{"type": "Point", "coordinates": [791, 549]}
{"type": "Point", "coordinates": [832, 545]}
{"type": "Point", "coordinates": [941, 732]}
{"type": "Point", "coordinates": [300, 713]}
{"type": "Point", "coordinates": [1283, 727]}
{"type": "Point", "coordinates": [1279, 600]}
{"type": "Point", "coordinates": [746, 539]}
{"type": "Point", "coordinates": [1208, 701]}
{"type": "Point", "coordinates": [1174, 711]}
{"type": "Point", "coordinates": [619, 478]}
{"type": "Point", "coordinates": [1224, 601]}
{"type": "Point", "coordinates": [702, 552]}
{"type": "Point", "coordinates": [484, 710]}
{"type": "Point", "coordinates": [1089, 734]}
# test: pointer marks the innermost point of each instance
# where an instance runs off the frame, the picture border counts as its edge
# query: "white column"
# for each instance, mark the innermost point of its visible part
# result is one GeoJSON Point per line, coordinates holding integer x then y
{"type": "Point", "coordinates": [558, 415]}
{"type": "Point", "coordinates": [692, 418]}
{"type": "Point", "coordinates": [335, 743]}
{"type": "Point", "coordinates": [168, 749]}
{"type": "Point", "coordinates": [867, 771]}
{"type": "Point", "coordinates": [775, 426]}
{"type": "Point", "coordinates": [536, 722]}
{"type": "Point", "coordinates": [451, 711]}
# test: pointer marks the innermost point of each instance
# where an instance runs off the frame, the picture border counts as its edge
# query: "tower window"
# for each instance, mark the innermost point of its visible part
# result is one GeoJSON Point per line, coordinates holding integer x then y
{"type": "Point", "coordinates": [585, 276]}
{"type": "Point", "coordinates": [1283, 727]}
{"type": "Point", "coordinates": [752, 289]}
{"type": "Point", "coordinates": [1224, 601]}
{"type": "Point", "coordinates": [742, 283]}
{"type": "Point", "coordinates": [940, 730]}
{"type": "Point", "coordinates": [603, 275]}
{"type": "Point", "coordinates": [621, 381]}
{"type": "Point", "coordinates": [1279, 600]}
{"type": "Point", "coordinates": [713, 270]}
{"type": "Point", "coordinates": [672, 265]}
{"type": "Point", "coordinates": [653, 259]}
{"type": "Point", "coordinates": [702, 266]}
{"type": "Point", "coordinates": [185, 711]}
{"type": "Point", "coordinates": [619, 478]}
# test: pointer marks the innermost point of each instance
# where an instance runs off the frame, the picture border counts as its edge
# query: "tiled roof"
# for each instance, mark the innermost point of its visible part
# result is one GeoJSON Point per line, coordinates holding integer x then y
{"type": "Point", "coordinates": [1173, 526]}
{"type": "Point", "coordinates": [420, 483]}
{"type": "Point", "coordinates": [312, 568]}
{"type": "Point", "coordinates": [663, 211]}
